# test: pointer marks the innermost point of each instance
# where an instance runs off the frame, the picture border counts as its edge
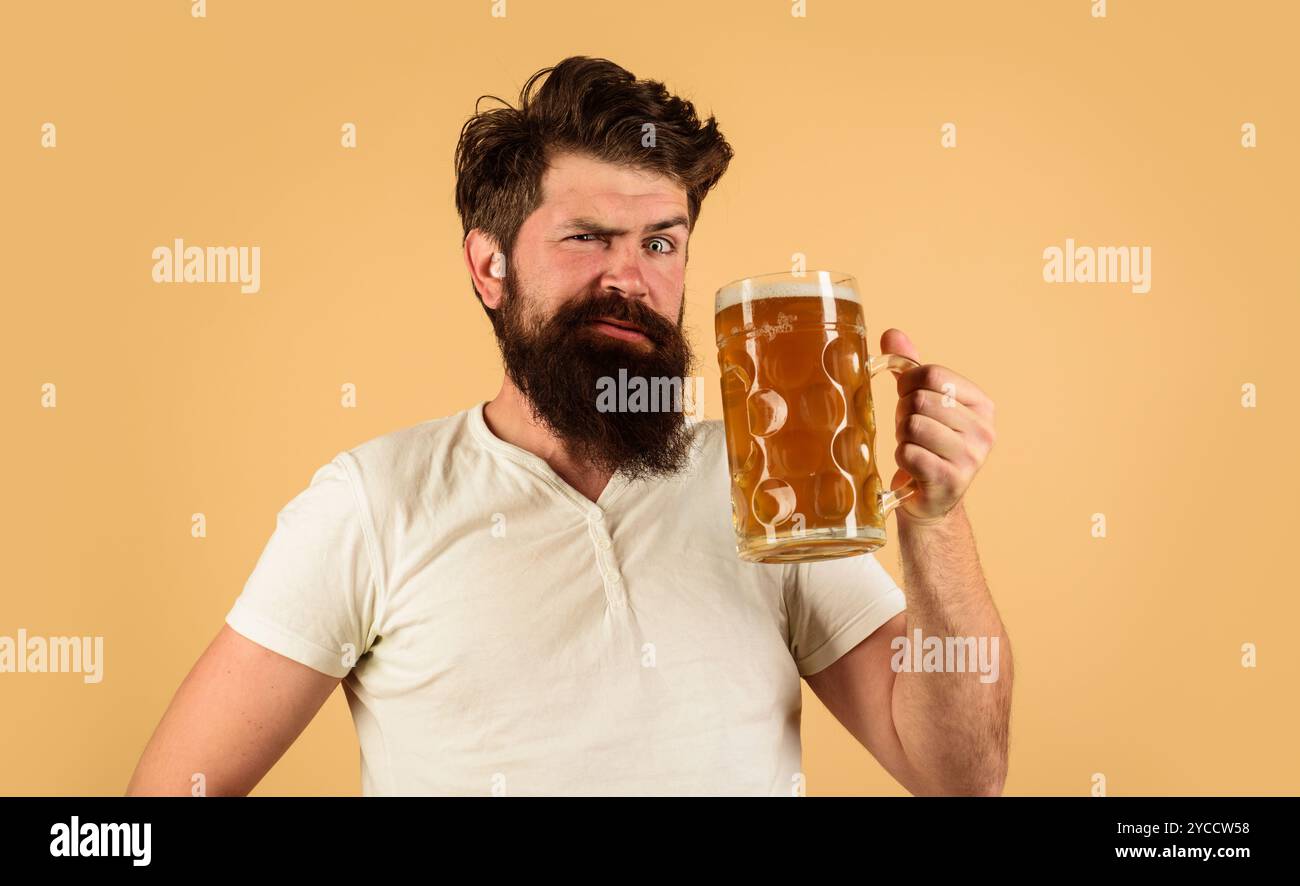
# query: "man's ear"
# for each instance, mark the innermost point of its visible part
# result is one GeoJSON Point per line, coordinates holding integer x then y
{"type": "Point", "coordinates": [487, 266]}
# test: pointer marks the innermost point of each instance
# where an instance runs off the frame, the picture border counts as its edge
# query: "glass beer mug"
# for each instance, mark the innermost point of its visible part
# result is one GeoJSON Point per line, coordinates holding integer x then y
{"type": "Point", "coordinates": [796, 401]}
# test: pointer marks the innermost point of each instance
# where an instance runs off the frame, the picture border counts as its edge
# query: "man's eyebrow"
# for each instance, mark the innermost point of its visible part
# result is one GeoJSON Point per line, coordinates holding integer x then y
{"type": "Point", "coordinates": [591, 226]}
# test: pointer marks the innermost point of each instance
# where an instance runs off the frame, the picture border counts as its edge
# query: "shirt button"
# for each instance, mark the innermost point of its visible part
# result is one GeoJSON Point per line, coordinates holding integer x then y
{"type": "Point", "coordinates": [604, 543]}
{"type": "Point", "coordinates": [615, 578]}
{"type": "Point", "coordinates": [595, 515]}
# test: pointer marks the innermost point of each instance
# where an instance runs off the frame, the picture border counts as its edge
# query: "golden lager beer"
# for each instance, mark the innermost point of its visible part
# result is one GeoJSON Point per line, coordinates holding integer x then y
{"type": "Point", "coordinates": [796, 401]}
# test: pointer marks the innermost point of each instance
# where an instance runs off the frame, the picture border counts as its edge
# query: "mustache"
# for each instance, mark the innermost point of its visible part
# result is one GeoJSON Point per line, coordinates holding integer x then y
{"type": "Point", "coordinates": [614, 307]}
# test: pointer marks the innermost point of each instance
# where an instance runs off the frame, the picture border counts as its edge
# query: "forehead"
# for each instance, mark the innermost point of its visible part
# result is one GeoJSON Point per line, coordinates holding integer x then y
{"type": "Point", "coordinates": [575, 184]}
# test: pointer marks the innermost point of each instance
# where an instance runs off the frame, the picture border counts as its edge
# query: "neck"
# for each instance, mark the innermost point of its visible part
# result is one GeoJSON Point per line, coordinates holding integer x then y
{"type": "Point", "coordinates": [508, 417]}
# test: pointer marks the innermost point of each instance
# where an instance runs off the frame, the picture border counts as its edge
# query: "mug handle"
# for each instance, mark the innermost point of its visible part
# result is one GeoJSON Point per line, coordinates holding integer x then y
{"type": "Point", "coordinates": [895, 363]}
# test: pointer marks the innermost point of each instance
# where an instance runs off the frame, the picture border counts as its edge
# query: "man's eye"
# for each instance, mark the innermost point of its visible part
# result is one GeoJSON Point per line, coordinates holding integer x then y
{"type": "Point", "coordinates": [576, 236]}
{"type": "Point", "coordinates": [668, 244]}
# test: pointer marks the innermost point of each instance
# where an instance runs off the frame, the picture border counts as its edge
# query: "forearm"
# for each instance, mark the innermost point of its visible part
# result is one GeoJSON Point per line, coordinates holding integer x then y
{"type": "Point", "coordinates": [953, 722]}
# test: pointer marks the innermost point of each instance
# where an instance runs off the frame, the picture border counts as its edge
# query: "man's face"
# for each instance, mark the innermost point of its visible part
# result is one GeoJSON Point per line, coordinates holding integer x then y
{"type": "Point", "coordinates": [595, 285]}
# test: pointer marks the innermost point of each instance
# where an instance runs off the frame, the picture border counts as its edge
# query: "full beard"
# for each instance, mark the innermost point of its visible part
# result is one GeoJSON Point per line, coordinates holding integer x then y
{"type": "Point", "coordinates": [557, 362]}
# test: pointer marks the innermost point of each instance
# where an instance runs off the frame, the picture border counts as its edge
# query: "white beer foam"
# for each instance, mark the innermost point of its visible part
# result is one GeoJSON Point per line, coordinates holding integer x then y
{"type": "Point", "coordinates": [734, 293]}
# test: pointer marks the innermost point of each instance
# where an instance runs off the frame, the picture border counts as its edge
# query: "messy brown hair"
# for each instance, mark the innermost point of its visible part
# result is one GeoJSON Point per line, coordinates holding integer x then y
{"type": "Point", "coordinates": [589, 106]}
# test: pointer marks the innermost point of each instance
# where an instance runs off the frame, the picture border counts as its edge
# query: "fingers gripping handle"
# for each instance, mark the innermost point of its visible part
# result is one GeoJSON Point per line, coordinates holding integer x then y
{"type": "Point", "coordinates": [897, 364]}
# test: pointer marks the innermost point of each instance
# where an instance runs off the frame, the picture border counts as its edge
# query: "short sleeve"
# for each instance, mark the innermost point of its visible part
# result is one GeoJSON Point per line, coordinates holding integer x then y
{"type": "Point", "coordinates": [833, 605]}
{"type": "Point", "coordinates": [312, 595]}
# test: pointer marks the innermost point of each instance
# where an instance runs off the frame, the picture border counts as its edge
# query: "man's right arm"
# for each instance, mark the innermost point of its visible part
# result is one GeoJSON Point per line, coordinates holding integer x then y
{"type": "Point", "coordinates": [233, 717]}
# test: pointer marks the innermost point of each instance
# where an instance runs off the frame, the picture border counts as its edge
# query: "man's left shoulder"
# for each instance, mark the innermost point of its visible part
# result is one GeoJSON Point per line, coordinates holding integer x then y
{"type": "Point", "coordinates": [709, 439]}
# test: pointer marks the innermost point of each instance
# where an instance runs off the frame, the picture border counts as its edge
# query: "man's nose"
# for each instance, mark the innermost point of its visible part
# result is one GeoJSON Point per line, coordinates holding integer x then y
{"type": "Point", "coordinates": [625, 273]}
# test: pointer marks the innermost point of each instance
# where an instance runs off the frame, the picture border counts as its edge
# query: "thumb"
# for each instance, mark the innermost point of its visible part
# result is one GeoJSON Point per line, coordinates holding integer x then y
{"type": "Point", "coordinates": [895, 341]}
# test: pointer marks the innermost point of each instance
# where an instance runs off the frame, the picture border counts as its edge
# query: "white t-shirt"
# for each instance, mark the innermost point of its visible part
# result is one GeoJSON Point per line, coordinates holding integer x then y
{"type": "Point", "coordinates": [499, 633]}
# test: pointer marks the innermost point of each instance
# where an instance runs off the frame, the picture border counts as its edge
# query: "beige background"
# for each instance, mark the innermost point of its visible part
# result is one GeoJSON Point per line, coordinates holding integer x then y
{"type": "Point", "coordinates": [1116, 131]}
